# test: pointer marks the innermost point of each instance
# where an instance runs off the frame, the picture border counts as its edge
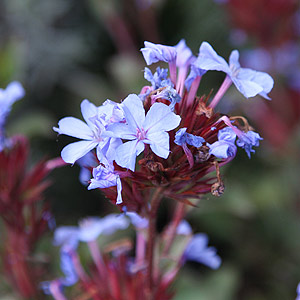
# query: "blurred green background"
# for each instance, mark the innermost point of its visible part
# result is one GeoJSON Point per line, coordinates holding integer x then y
{"type": "Point", "coordinates": [65, 51]}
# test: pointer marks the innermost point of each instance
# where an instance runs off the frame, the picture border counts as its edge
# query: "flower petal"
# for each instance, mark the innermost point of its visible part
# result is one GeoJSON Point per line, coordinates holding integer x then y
{"type": "Point", "coordinates": [126, 154]}
{"type": "Point", "coordinates": [160, 118]}
{"type": "Point", "coordinates": [155, 52]}
{"type": "Point", "coordinates": [88, 110]}
{"type": "Point", "coordinates": [74, 127]}
{"type": "Point", "coordinates": [134, 111]}
{"type": "Point", "coordinates": [261, 79]}
{"type": "Point", "coordinates": [208, 59]}
{"type": "Point", "coordinates": [159, 143]}
{"type": "Point", "coordinates": [247, 87]}
{"type": "Point", "coordinates": [76, 150]}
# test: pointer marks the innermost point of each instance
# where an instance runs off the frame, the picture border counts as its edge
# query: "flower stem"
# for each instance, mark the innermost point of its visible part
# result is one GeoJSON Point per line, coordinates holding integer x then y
{"type": "Point", "coordinates": [193, 91]}
{"type": "Point", "coordinates": [156, 199]}
{"type": "Point", "coordinates": [223, 88]}
{"type": "Point", "coordinates": [171, 231]}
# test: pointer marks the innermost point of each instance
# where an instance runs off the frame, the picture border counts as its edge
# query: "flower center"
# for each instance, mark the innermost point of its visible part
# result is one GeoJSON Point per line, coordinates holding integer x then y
{"type": "Point", "coordinates": [140, 134]}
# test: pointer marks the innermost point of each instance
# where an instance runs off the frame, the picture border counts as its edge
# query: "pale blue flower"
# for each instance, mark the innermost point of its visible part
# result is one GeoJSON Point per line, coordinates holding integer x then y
{"type": "Point", "coordinates": [248, 82]}
{"type": "Point", "coordinates": [104, 177]}
{"type": "Point", "coordinates": [182, 137]}
{"type": "Point", "coordinates": [140, 130]}
{"type": "Point", "coordinates": [137, 221]}
{"type": "Point", "coordinates": [91, 132]}
{"type": "Point", "coordinates": [91, 228]}
{"type": "Point", "coordinates": [169, 94]}
{"type": "Point", "coordinates": [13, 92]}
{"type": "Point", "coordinates": [184, 228]}
{"type": "Point", "coordinates": [158, 79]}
{"type": "Point", "coordinates": [88, 230]}
{"type": "Point", "coordinates": [184, 54]}
{"type": "Point", "coordinates": [224, 147]}
{"type": "Point", "coordinates": [198, 251]}
{"type": "Point", "coordinates": [298, 292]}
{"type": "Point", "coordinates": [248, 140]}
{"type": "Point", "coordinates": [155, 52]}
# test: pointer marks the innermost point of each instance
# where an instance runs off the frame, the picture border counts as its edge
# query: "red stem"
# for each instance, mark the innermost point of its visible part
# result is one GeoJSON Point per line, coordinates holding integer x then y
{"type": "Point", "coordinates": [155, 201]}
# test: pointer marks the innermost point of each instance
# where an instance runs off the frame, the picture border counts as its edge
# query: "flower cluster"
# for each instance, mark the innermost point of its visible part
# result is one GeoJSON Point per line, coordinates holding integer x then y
{"type": "Point", "coordinates": [119, 272]}
{"type": "Point", "coordinates": [163, 143]}
{"type": "Point", "coordinates": [176, 136]}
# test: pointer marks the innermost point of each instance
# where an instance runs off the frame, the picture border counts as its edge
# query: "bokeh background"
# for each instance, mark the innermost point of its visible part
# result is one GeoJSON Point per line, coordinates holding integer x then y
{"type": "Point", "coordinates": [65, 51]}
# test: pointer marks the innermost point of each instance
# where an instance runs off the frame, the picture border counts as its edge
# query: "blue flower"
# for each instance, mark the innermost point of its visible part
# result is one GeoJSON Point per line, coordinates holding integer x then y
{"type": "Point", "coordinates": [97, 119]}
{"type": "Point", "coordinates": [184, 228]}
{"type": "Point", "coordinates": [13, 92]}
{"type": "Point", "coordinates": [89, 229]}
{"type": "Point", "coordinates": [137, 221]}
{"type": "Point", "coordinates": [158, 79]}
{"type": "Point", "coordinates": [104, 177]}
{"type": "Point", "coordinates": [169, 94]}
{"type": "Point", "coordinates": [155, 52]}
{"type": "Point", "coordinates": [225, 146]}
{"type": "Point", "coordinates": [198, 251]}
{"type": "Point", "coordinates": [248, 82]}
{"type": "Point", "coordinates": [182, 137]}
{"type": "Point", "coordinates": [141, 130]}
{"type": "Point", "coordinates": [249, 140]}
{"type": "Point", "coordinates": [298, 292]}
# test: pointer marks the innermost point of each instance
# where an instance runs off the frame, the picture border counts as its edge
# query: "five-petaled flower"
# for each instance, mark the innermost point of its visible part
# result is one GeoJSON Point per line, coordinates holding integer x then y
{"type": "Point", "coordinates": [140, 130]}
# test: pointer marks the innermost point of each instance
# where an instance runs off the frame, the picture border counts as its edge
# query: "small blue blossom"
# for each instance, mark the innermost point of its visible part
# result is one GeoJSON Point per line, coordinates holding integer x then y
{"type": "Point", "coordinates": [91, 132]}
{"type": "Point", "coordinates": [248, 82]}
{"type": "Point", "coordinates": [104, 177]}
{"type": "Point", "coordinates": [224, 147]}
{"type": "Point", "coordinates": [158, 79]}
{"type": "Point", "coordinates": [140, 130]}
{"type": "Point", "coordinates": [137, 221]}
{"type": "Point", "coordinates": [249, 140]}
{"type": "Point", "coordinates": [182, 137]}
{"type": "Point", "coordinates": [89, 229]}
{"type": "Point", "coordinates": [169, 94]}
{"type": "Point", "coordinates": [198, 251]}
{"type": "Point", "coordinates": [155, 52]}
{"type": "Point", "coordinates": [184, 228]}
{"type": "Point", "coordinates": [298, 292]}
{"type": "Point", "coordinates": [13, 92]}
